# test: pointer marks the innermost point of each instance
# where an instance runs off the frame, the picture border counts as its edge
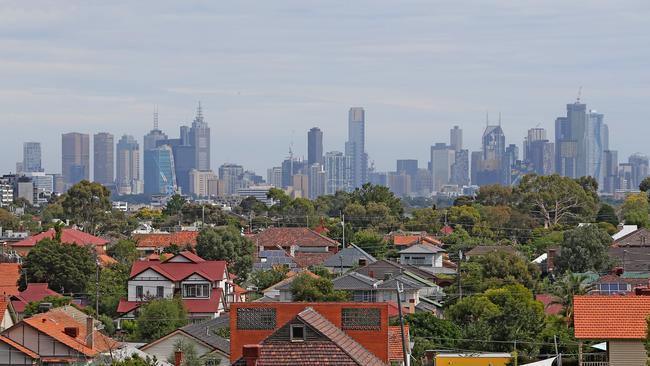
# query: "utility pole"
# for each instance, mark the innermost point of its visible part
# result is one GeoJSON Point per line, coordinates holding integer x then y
{"type": "Point", "coordinates": [458, 275]}
{"type": "Point", "coordinates": [400, 289]}
{"type": "Point", "coordinates": [557, 353]}
{"type": "Point", "coordinates": [343, 223]}
{"type": "Point", "coordinates": [96, 284]}
{"type": "Point", "coordinates": [341, 259]}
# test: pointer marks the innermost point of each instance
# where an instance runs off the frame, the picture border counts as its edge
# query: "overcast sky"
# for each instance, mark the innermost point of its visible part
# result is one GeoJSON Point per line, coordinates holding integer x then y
{"type": "Point", "coordinates": [267, 71]}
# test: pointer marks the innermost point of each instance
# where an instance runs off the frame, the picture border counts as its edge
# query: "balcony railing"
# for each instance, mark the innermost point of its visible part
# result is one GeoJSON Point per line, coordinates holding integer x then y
{"type": "Point", "coordinates": [595, 363]}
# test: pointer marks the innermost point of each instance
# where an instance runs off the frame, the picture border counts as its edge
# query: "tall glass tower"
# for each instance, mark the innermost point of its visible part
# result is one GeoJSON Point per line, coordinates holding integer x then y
{"type": "Point", "coordinates": [355, 147]}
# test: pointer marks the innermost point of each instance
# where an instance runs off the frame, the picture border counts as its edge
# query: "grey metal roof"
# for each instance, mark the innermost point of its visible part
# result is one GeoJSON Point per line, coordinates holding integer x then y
{"type": "Point", "coordinates": [409, 283]}
{"type": "Point", "coordinates": [205, 332]}
{"type": "Point", "coordinates": [422, 249]}
{"type": "Point", "coordinates": [438, 270]}
{"type": "Point", "coordinates": [350, 255]}
{"type": "Point", "coordinates": [355, 281]}
{"type": "Point", "coordinates": [273, 258]}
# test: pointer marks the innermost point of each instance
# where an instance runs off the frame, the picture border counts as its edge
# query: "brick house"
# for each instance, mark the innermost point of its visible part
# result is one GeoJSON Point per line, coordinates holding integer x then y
{"type": "Point", "coordinates": [305, 246]}
{"type": "Point", "coordinates": [68, 236]}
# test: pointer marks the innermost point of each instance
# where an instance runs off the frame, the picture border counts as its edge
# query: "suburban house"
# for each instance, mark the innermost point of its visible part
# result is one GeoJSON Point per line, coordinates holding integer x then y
{"type": "Point", "coordinates": [305, 246]}
{"type": "Point", "coordinates": [150, 243]}
{"type": "Point", "coordinates": [211, 348]}
{"type": "Point", "coordinates": [33, 292]}
{"type": "Point", "coordinates": [402, 240]}
{"type": "Point", "coordinates": [9, 276]}
{"type": "Point", "coordinates": [267, 259]}
{"type": "Point", "coordinates": [612, 284]}
{"type": "Point", "coordinates": [7, 313]}
{"type": "Point", "coordinates": [427, 257]}
{"type": "Point", "coordinates": [204, 286]}
{"type": "Point", "coordinates": [618, 320]}
{"type": "Point", "coordinates": [311, 334]}
{"type": "Point", "coordinates": [347, 259]}
{"type": "Point", "coordinates": [281, 291]}
{"type": "Point", "coordinates": [68, 236]}
{"type": "Point", "coordinates": [61, 336]}
{"type": "Point", "coordinates": [632, 251]}
{"type": "Point", "coordinates": [384, 268]}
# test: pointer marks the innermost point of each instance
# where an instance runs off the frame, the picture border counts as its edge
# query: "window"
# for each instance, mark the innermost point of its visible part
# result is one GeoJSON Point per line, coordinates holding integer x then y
{"type": "Point", "coordinates": [139, 292]}
{"type": "Point", "coordinates": [160, 292]}
{"type": "Point", "coordinates": [365, 296]}
{"type": "Point", "coordinates": [360, 319]}
{"type": "Point", "coordinates": [256, 318]}
{"type": "Point", "coordinates": [612, 288]}
{"type": "Point", "coordinates": [196, 290]}
{"type": "Point", "coordinates": [297, 333]}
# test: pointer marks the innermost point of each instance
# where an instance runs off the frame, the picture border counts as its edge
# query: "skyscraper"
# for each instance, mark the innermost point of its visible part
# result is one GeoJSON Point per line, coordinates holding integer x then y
{"type": "Point", "coordinates": [151, 181]}
{"type": "Point", "coordinates": [493, 167]}
{"type": "Point", "coordinates": [408, 166]}
{"type": "Point", "coordinates": [231, 175]}
{"type": "Point", "coordinates": [32, 157]}
{"type": "Point", "coordinates": [337, 172]}
{"type": "Point", "coordinates": [104, 158]}
{"type": "Point", "coordinates": [128, 166]}
{"type": "Point", "coordinates": [460, 168]}
{"type": "Point", "coordinates": [159, 172]}
{"type": "Point", "coordinates": [442, 158]}
{"type": "Point", "coordinates": [355, 147]}
{"type": "Point", "coordinates": [611, 171]}
{"type": "Point", "coordinates": [314, 146]}
{"type": "Point", "coordinates": [456, 138]}
{"type": "Point", "coordinates": [316, 181]}
{"type": "Point", "coordinates": [597, 141]}
{"type": "Point", "coordinates": [75, 157]}
{"type": "Point", "coordinates": [274, 176]}
{"type": "Point", "coordinates": [539, 153]}
{"type": "Point", "coordinates": [570, 141]}
{"type": "Point", "coordinates": [199, 135]}
{"type": "Point", "coordinates": [639, 164]}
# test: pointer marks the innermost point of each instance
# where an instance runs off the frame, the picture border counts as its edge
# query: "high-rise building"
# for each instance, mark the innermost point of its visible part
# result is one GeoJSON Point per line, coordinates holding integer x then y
{"type": "Point", "coordinates": [104, 159]}
{"type": "Point", "coordinates": [151, 139]}
{"type": "Point", "coordinates": [476, 159]}
{"type": "Point", "coordinates": [314, 146]}
{"type": "Point", "coordinates": [456, 138]}
{"type": "Point", "coordinates": [32, 157]}
{"type": "Point", "coordinates": [150, 143]}
{"type": "Point", "coordinates": [337, 171]}
{"type": "Point", "coordinates": [399, 183]}
{"type": "Point", "coordinates": [159, 172]}
{"type": "Point", "coordinates": [639, 164]}
{"type": "Point", "coordinates": [231, 175]}
{"type": "Point", "coordinates": [316, 181]}
{"type": "Point", "coordinates": [597, 141]}
{"type": "Point", "coordinates": [199, 182]}
{"type": "Point", "coordinates": [442, 158]}
{"type": "Point", "coordinates": [408, 166]}
{"type": "Point", "coordinates": [274, 176]}
{"type": "Point", "coordinates": [570, 141]}
{"type": "Point", "coordinates": [75, 157]}
{"type": "Point", "coordinates": [355, 147]}
{"type": "Point", "coordinates": [539, 152]}
{"type": "Point", "coordinates": [300, 186]}
{"type": "Point", "coordinates": [199, 135]}
{"type": "Point", "coordinates": [127, 177]}
{"type": "Point", "coordinates": [493, 168]}
{"type": "Point", "coordinates": [290, 167]}
{"type": "Point", "coordinates": [460, 168]}
{"type": "Point", "coordinates": [611, 171]}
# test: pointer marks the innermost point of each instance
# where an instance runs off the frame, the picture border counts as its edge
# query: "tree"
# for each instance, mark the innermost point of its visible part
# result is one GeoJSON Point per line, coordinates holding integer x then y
{"type": "Point", "coordinates": [264, 279]}
{"type": "Point", "coordinates": [372, 242]}
{"type": "Point", "coordinates": [174, 205]}
{"type": "Point", "coordinates": [112, 287]}
{"type": "Point", "coordinates": [87, 204]}
{"type": "Point", "coordinates": [584, 249]}
{"type": "Point", "coordinates": [64, 267]}
{"type": "Point", "coordinates": [135, 360]}
{"type": "Point", "coordinates": [124, 251]}
{"type": "Point", "coordinates": [7, 220]}
{"type": "Point", "coordinates": [229, 245]}
{"type": "Point", "coordinates": [555, 199]}
{"type": "Point", "coordinates": [430, 332]}
{"type": "Point", "coordinates": [635, 210]}
{"type": "Point", "coordinates": [378, 194]}
{"type": "Point", "coordinates": [495, 195]}
{"type": "Point", "coordinates": [160, 317]}
{"type": "Point", "coordinates": [564, 290]}
{"type": "Point", "coordinates": [645, 185]}
{"type": "Point", "coordinates": [56, 301]}
{"type": "Point", "coordinates": [310, 289]}
{"type": "Point", "coordinates": [607, 214]}
{"type": "Point", "coordinates": [424, 219]}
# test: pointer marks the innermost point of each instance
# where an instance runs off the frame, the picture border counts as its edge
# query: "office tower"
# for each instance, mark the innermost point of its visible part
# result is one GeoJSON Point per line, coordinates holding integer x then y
{"type": "Point", "coordinates": [314, 146]}
{"type": "Point", "coordinates": [127, 175]}
{"type": "Point", "coordinates": [399, 183]}
{"type": "Point", "coordinates": [199, 136]}
{"type": "Point", "coordinates": [184, 159]}
{"type": "Point", "coordinates": [355, 147]}
{"type": "Point", "coordinates": [32, 157]}
{"type": "Point", "coordinates": [597, 141]}
{"type": "Point", "coordinates": [539, 153]}
{"type": "Point", "coordinates": [274, 176]}
{"type": "Point", "coordinates": [159, 172]}
{"type": "Point", "coordinates": [476, 159]}
{"type": "Point", "coordinates": [19, 167]}
{"type": "Point", "coordinates": [199, 181]}
{"type": "Point", "coordinates": [493, 167]}
{"type": "Point", "coordinates": [231, 175]}
{"type": "Point", "coordinates": [43, 186]}
{"type": "Point", "coordinates": [150, 143]}
{"type": "Point", "coordinates": [571, 141]}
{"type": "Point", "coordinates": [625, 177]}
{"type": "Point", "coordinates": [442, 158]}
{"type": "Point", "coordinates": [216, 188]}
{"type": "Point", "coordinates": [300, 186]}
{"type": "Point", "coordinates": [456, 138]}
{"type": "Point", "coordinates": [423, 183]}
{"type": "Point", "coordinates": [611, 171]}
{"type": "Point", "coordinates": [290, 167]}
{"type": "Point", "coordinates": [75, 157]}
{"type": "Point", "coordinates": [103, 148]}
{"type": "Point", "coordinates": [494, 143]}
{"type": "Point", "coordinates": [338, 172]}
{"type": "Point", "coordinates": [249, 178]}
{"type": "Point", "coordinates": [408, 166]}
{"type": "Point", "coordinates": [155, 135]}
{"type": "Point", "coordinates": [460, 168]}
{"type": "Point", "coordinates": [510, 159]}
{"type": "Point", "coordinates": [316, 181]}
{"type": "Point", "coordinates": [639, 165]}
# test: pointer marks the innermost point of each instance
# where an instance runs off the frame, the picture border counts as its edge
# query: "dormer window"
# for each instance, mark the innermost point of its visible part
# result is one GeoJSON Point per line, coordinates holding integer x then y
{"type": "Point", "coordinates": [194, 290]}
{"type": "Point", "coordinates": [297, 333]}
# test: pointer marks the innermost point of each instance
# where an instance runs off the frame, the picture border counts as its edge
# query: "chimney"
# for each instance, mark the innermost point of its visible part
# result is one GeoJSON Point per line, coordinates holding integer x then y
{"type": "Point", "coordinates": [371, 274]}
{"type": "Point", "coordinates": [362, 262]}
{"type": "Point", "coordinates": [251, 354]}
{"type": "Point", "coordinates": [90, 337]}
{"type": "Point", "coordinates": [412, 306]}
{"type": "Point", "coordinates": [178, 358]}
{"type": "Point", "coordinates": [550, 260]}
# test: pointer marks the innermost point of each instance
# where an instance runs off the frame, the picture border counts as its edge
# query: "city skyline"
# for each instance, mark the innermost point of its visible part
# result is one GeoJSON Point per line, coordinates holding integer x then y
{"type": "Point", "coordinates": [282, 73]}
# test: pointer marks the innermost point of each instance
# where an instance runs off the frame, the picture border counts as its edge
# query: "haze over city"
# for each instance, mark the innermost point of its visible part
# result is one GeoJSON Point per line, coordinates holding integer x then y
{"type": "Point", "coordinates": [267, 72]}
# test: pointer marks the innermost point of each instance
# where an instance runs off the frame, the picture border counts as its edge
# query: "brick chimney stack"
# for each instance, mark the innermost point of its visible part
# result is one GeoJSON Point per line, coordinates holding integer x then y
{"type": "Point", "coordinates": [251, 354]}
{"type": "Point", "coordinates": [90, 330]}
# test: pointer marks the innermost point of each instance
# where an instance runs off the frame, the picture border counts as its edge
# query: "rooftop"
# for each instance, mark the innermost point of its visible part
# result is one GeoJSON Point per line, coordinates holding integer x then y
{"type": "Point", "coordinates": [288, 236]}
{"type": "Point", "coordinates": [611, 317]}
{"type": "Point", "coordinates": [68, 235]}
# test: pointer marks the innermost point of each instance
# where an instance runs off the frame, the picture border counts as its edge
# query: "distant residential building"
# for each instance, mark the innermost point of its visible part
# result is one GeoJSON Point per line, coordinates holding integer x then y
{"type": "Point", "coordinates": [337, 171]}
{"type": "Point", "coordinates": [6, 192]}
{"type": "Point", "coordinates": [314, 146]}
{"type": "Point", "coordinates": [611, 171]}
{"type": "Point", "coordinates": [347, 259]}
{"type": "Point", "coordinates": [306, 246]}
{"type": "Point", "coordinates": [399, 183]}
{"type": "Point", "coordinates": [199, 182]}
{"type": "Point", "coordinates": [442, 158]}
{"type": "Point", "coordinates": [199, 135]}
{"type": "Point", "coordinates": [159, 172]}
{"type": "Point", "coordinates": [75, 157]}
{"type": "Point", "coordinates": [274, 176]}
{"type": "Point", "coordinates": [456, 138]}
{"type": "Point", "coordinates": [300, 186]}
{"type": "Point", "coordinates": [127, 176]}
{"type": "Point", "coordinates": [43, 186]}
{"type": "Point", "coordinates": [259, 192]}
{"type": "Point", "coordinates": [317, 177]}
{"type": "Point", "coordinates": [231, 175]}
{"type": "Point", "coordinates": [639, 164]}
{"type": "Point", "coordinates": [104, 158]}
{"type": "Point", "coordinates": [355, 147]}
{"type": "Point", "coordinates": [460, 168]}
{"type": "Point", "coordinates": [32, 157]}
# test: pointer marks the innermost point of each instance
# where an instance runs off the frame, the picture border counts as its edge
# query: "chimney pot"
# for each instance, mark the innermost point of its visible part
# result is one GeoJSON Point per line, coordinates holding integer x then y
{"type": "Point", "coordinates": [251, 354]}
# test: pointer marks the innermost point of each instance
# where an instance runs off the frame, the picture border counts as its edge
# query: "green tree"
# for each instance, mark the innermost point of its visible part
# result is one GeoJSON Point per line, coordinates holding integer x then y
{"type": "Point", "coordinates": [7, 220]}
{"type": "Point", "coordinates": [634, 210]}
{"type": "Point", "coordinates": [430, 332]}
{"type": "Point", "coordinates": [584, 249]}
{"type": "Point", "coordinates": [229, 245]}
{"type": "Point", "coordinates": [495, 195]}
{"type": "Point", "coordinates": [645, 185]}
{"type": "Point", "coordinates": [607, 214]}
{"type": "Point", "coordinates": [190, 355]}
{"type": "Point", "coordinates": [174, 205]}
{"type": "Point", "coordinates": [424, 219]}
{"type": "Point", "coordinates": [123, 251]}
{"type": "Point", "coordinates": [466, 216]}
{"type": "Point", "coordinates": [566, 288]}
{"type": "Point", "coordinates": [310, 289]}
{"type": "Point", "coordinates": [372, 242]}
{"type": "Point", "coordinates": [87, 204]}
{"type": "Point", "coordinates": [56, 301]}
{"type": "Point", "coordinates": [378, 194]}
{"type": "Point", "coordinates": [264, 279]}
{"type": "Point", "coordinates": [136, 360]}
{"type": "Point", "coordinates": [160, 317]}
{"type": "Point", "coordinates": [64, 267]}
{"type": "Point", "coordinates": [112, 287]}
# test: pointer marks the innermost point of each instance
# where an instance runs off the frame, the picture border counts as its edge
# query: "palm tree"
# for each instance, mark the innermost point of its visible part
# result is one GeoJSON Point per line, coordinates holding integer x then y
{"type": "Point", "coordinates": [568, 286]}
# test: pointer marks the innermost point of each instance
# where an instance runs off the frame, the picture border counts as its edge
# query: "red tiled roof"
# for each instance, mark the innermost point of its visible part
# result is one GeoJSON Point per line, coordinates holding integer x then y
{"type": "Point", "coordinates": [106, 260]}
{"type": "Point", "coordinates": [210, 305]}
{"type": "Point", "coordinates": [406, 239]}
{"type": "Point", "coordinates": [611, 317]}
{"type": "Point", "coordinates": [446, 230]}
{"type": "Point", "coordinates": [19, 347]}
{"type": "Point", "coordinates": [395, 350]}
{"type": "Point", "coordinates": [126, 306]}
{"type": "Point", "coordinates": [162, 240]}
{"type": "Point", "coordinates": [4, 303]}
{"type": "Point", "coordinates": [305, 260]}
{"type": "Point", "coordinates": [33, 292]}
{"type": "Point", "coordinates": [550, 308]}
{"type": "Point", "coordinates": [69, 236]}
{"type": "Point", "coordinates": [285, 237]}
{"type": "Point", "coordinates": [9, 275]}
{"type": "Point", "coordinates": [176, 271]}
{"type": "Point", "coordinates": [313, 353]}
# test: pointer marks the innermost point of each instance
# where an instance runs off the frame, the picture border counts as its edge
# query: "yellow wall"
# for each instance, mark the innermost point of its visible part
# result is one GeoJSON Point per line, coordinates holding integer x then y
{"type": "Point", "coordinates": [472, 361]}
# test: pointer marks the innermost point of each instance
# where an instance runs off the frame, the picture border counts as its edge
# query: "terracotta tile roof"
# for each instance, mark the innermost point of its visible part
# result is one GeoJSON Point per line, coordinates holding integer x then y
{"type": "Point", "coordinates": [313, 353]}
{"type": "Point", "coordinates": [161, 240]}
{"type": "Point", "coordinates": [395, 350]}
{"type": "Point", "coordinates": [106, 260]}
{"type": "Point", "coordinates": [210, 305]}
{"type": "Point", "coordinates": [33, 292]}
{"type": "Point", "coordinates": [356, 351]}
{"type": "Point", "coordinates": [176, 271]}
{"type": "Point", "coordinates": [9, 275]}
{"type": "Point", "coordinates": [611, 317]}
{"type": "Point", "coordinates": [19, 347]}
{"type": "Point", "coordinates": [70, 236]}
{"type": "Point", "coordinates": [305, 260]}
{"type": "Point", "coordinates": [126, 306]}
{"type": "Point", "coordinates": [285, 237]}
{"type": "Point", "coordinates": [549, 307]}
{"type": "Point", "coordinates": [4, 304]}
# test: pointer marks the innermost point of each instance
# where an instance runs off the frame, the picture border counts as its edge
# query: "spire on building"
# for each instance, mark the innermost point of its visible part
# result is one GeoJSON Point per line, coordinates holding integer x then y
{"type": "Point", "coordinates": [155, 117]}
{"type": "Point", "coordinates": [199, 113]}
